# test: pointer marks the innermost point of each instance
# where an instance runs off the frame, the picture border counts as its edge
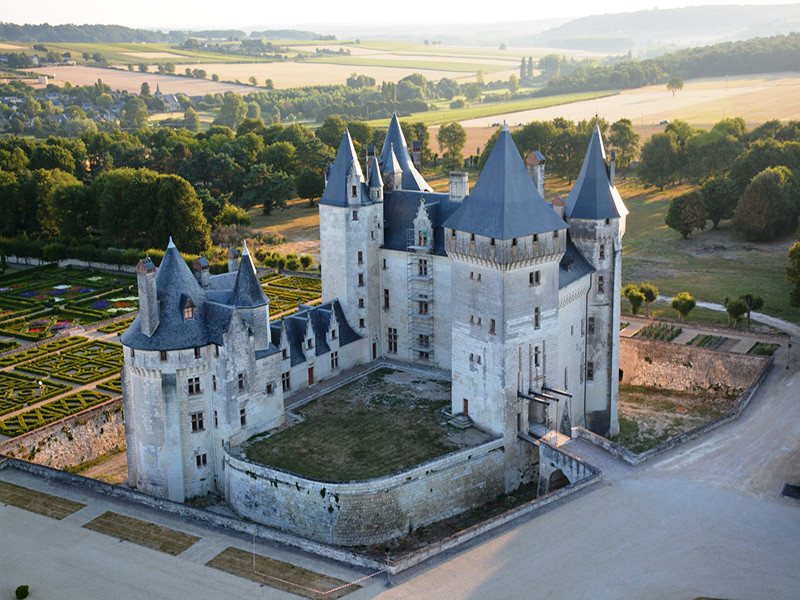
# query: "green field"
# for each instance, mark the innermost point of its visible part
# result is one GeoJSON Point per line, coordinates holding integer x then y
{"type": "Point", "coordinates": [456, 66]}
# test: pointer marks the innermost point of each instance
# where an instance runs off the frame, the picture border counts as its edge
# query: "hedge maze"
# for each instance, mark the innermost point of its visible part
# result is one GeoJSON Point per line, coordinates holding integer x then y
{"type": "Point", "coordinates": [80, 364]}
{"type": "Point", "coordinates": [18, 391]}
{"type": "Point", "coordinates": [285, 292]}
{"type": "Point", "coordinates": [116, 327]}
{"type": "Point", "coordinates": [52, 411]}
{"type": "Point", "coordinates": [112, 385]}
{"type": "Point", "coordinates": [44, 349]}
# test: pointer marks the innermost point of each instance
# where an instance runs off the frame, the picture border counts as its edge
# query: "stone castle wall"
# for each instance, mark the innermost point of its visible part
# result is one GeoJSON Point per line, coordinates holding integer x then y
{"type": "Point", "coordinates": [365, 512]}
{"type": "Point", "coordinates": [78, 438]}
{"type": "Point", "coordinates": [686, 368]}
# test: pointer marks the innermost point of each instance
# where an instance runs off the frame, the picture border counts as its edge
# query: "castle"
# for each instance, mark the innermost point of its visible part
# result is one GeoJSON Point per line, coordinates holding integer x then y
{"type": "Point", "coordinates": [518, 298]}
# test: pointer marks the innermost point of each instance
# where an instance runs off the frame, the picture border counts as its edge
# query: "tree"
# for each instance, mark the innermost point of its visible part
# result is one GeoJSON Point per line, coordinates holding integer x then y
{"type": "Point", "coordinates": [736, 308]}
{"type": "Point", "coordinates": [513, 83]}
{"type": "Point", "coordinates": [452, 139]}
{"type": "Point", "coordinates": [634, 296]}
{"type": "Point", "coordinates": [683, 303]}
{"type": "Point", "coordinates": [472, 92]}
{"type": "Point", "coordinates": [752, 302]}
{"type": "Point", "coordinates": [232, 215]}
{"type": "Point", "coordinates": [625, 141]}
{"type": "Point", "coordinates": [650, 293]}
{"type": "Point", "coordinates": [190, 120]}
{"type": "Point", "coordinates": [719, 199]}
{"type": "Point", "coordinates": [143, 67]}
{"type": "Point", "coordinates": [331, 131]}
{"type": "Point", "coordinates": [233, 110]}
{"type": "Point", "coordinates": [145, 89]}
{"type": "Point", "coordinates": [310, 184]}
{"type": "Point", "coordinates": [659, 163]}
{"type": "Point", "coordinates": [766, 208]}
{"type": "Point", "coordinates": [793, 273]}
{"type": "Point", "coordinates": [686, 213]}
{"type": "Point", "coordinates": [280, 156]}
{"type": "Point", "coordinates": [134, 114]}
{"type": "Point", "coordinates": [50, 157]}
{"type": "Point", "coordinates": [675, 84]}
{"type": "Point", "coordinates": [683, 133]}
{"type": "Point", "coordinates": [253, 80]}
{"type": "Point", "coordinates": [306, 261]}
{"type": "Point", "coordinates": [264, 186]}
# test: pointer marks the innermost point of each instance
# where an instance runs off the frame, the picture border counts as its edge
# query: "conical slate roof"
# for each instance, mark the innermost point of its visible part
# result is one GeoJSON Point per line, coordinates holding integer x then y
{"type": "Point", "coordinates": [392, 165]}
{"type": "Point", "coordinates": [505, 203]}
{"type": "Point", "coordinates": [412, 180]}
{"type": "Point", "coordinates": [247, 291]}
{"type": "Point", "coordinates": [375, 179]}
{"type": "Point", "coordinates": [593, 196]}
{"type": "Point", "coordinates": [336, 192]}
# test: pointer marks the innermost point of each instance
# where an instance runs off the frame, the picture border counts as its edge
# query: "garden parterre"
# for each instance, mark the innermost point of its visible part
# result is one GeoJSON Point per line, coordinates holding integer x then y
{"type": "Point", "coordinates": [285, 292]}
{"type": "Point", "coordinates": [80, 364]}
{"type": "Point", "coordinates": [18, 391]}
{"type": "Point", "coordinates": [50, 412]}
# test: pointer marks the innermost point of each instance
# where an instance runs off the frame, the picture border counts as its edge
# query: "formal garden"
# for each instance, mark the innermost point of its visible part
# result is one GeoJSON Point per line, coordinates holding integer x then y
{"type": "Point", "coordinates": [660, 332]}
{"type": "Point", "coordinates": [286, 291]}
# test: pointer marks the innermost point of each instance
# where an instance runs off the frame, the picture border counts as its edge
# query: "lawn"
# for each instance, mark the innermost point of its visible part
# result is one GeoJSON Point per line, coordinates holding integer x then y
{"type": "Point", "coordinates": [386, 421]}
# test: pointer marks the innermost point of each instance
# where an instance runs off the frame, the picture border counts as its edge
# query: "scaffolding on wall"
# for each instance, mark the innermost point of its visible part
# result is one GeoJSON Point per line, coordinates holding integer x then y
{"type": "Point", "coordinates": [420, 295]}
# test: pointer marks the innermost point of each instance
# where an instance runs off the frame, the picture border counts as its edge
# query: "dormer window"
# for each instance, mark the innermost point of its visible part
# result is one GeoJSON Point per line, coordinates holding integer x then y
{"type": "Point", "coordinates": [333, 334]}
{"type": "Point", "coordinates": [309, 343]}
{"type": "Point", "coordinates": [353, 191]}
{"type": "Point", "coordinates": [188, 310]}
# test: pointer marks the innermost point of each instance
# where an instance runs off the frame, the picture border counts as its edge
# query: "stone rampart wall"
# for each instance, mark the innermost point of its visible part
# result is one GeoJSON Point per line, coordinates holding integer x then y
{"type": "Point", "coordinates": [75, 439]}
{"type": "Point", "coordinates": [365, 512]}
{"type": "Point", "coordinates": [686, 368]}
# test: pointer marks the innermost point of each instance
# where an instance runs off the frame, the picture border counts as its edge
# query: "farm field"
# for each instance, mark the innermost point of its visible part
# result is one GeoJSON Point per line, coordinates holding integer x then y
{"type": "Point", "coordinates": [702, 102]}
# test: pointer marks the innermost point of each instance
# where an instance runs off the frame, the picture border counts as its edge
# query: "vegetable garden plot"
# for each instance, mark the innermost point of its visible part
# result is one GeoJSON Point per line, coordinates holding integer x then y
{"type": "Point", "coordinates": [17, 391]}
{"type": "Point", "coordinates": [52, 411]}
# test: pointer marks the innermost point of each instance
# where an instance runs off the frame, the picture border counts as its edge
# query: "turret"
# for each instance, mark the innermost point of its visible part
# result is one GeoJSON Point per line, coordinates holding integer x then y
{"type": "Point", "coordinates": [375, 182]}
{"type": "Point", "coordinates": [148, 302]}
{"type": "Point", "coordinates": [249, 299]}
{"type": "Point", "coordinates": [392, 172]}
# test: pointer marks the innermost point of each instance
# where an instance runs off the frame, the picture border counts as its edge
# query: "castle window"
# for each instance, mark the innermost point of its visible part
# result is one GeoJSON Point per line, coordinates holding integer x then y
{"type": "Point", "coordinates": [334, 360]}
{"type": "Point", "coordinates": [422, 267]}
{"type": "Point", "coordinates": [286, 383]}
{"type": "Point", "coordinates": [372, 235]}
{"type": "Point", "coordinates": [391, 339]}
{"type": "Point", "coordinates": [608, 221]}
{"type": "Point", "coordinates": [535, 277]}
{"type": "Point", "coordinates": [601, 284]}
{"type": "Point", "coordinates": [555, 234]}
{"type": "Point", "coordinates": [566, 379]}
{"type": "Point", "coordinates": [241, 382]}
{"type": "Point", "coordinates": [423, 308]}
{"type": "Point", "coordinates": [216, 420]}
{"type": "Point", "coordinates": [188, 310]}
{"type": "Point", "coordinates": [163, 355]}
{"type": "Point", "coordinates": [535, 238]}
{"type": "Point", "coordinates": [197, 352]}
{"type": "Point", "coordinates": [491, 326]}
{"type": "Point", "coordinates": [479, 359]}
{"type": "Point", "coordinates": [479, 276]}
{"type": "Point", "coordinates": [384, 264]}
{"type": "Point", "coordinates": [423, 341]}
{"type": "Point", "coordinates": [536, 356]}
{"type": "Point", "coordinates": [194, 386]}
{"type": "Point", "coordinates": [355, 215]}
{"type": "Point", "coordinates": [385, 299]}
{"type": "Point", "coordinates": [361, 323]}
{"type": "Point", "coordinates": [270, 388]}
{"type": "Point", "coordinates": [471, 357]}
{"type": "Point", "coordinates": [214, 382]}
{"type": "Point", "coordinates": [202, 460]}
{"type": "Point", "coordinates": [360, 280]}
{"type": "Point", "coordinates": [479, 321]}
{"type": "Point", "coordinates": [471, 319]}
{"type": "Point", "coordinates": [514, 243]}
{"type": "Point", "coordinates": [602, 251]}
{"type": "Point", "coordinates": [243, 416]}
{"type": "Point", "coordinates": [360, 257]}
{"type": "Point", "coordinates": [353, 190]}
{"type": "Point", "coordinates": [491, 242]}
{"type": "Point", "coordinates": [360, 303]}
{"type": "Point", "coordinates": [309, 344]}
{"type": "Point", "coordinates": [216, 350]}
{"type": "Point", "coordinates": [133, 353]}
{"type": "Point", "coordinates": [537, 318]}
{"type": "Point", "coordinates": [422, 238]}
{"type": "Point", "coordinates": [472, 238]}
{"type": "Point", "coordinates": [472, 275]}
{"type": "Point", "coordinates": [197, 421]}
{"type": "Point", "coordinates": [333, 334]}
{"type": "Point", "coordinates": [590, 326]}
{"type": "Point", "coordinates": [590, 371]}
{"type": "Point", "coordinates": [285, 353]}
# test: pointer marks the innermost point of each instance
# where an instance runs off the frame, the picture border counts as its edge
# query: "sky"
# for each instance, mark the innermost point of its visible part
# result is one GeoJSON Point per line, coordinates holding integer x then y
{"type": "Point", "coordinates": [253, 14]}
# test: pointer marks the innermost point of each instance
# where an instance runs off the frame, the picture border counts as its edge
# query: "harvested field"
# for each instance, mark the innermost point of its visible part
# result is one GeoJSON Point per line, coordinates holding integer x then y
{"type": "Point", "coordinates": [154, 55]}
{"type": "Point", "coordinates": [142, 533]}
{"type": "Point", "coordinates": [38, 502]}
{"type": "Point", "coordinates": [296, 580]}
{"type": "Point", "coordinates": [299, 222]}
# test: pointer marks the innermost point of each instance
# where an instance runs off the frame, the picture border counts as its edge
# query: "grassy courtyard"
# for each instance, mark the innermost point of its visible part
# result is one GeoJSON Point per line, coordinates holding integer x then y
{"type": "Point", "coordinates": [386, 421]}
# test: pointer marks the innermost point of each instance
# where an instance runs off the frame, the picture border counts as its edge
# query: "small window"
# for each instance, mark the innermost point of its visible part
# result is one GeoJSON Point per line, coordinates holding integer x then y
{"type": "Point", "coordinates": [535, 238]}
{"type": "Point", "coordinates": [353, 190]}
{"type": "Point", "coordinates": [555, 234]}
{"type": "Point", "coordinates": [216, 420]}
{"type": "Point", "coordinates": [270, 388]}
{"type": "Point", "coordinates": [188, 312]}
{"type": "Point", "coordinates": [197, 421]}
{"type": "Point", "coordinates": [333, 334]}
{"type": "Point", "coordinates": [535, 277]}
{"type": "Point", "coordinates": [360, 280]}
{"type": "Point", "coordinates": [361, 323]}
{"type": "Point", "coordinates": [422, 267]}
{"type": "Point", "coordinates": [472, 275]}
{"type": "Point", "coordinates": [384, 264]}
{"type": "Point", "coordinates": [286, 383]}
{"type": "Point", "coordinates": [566, 379]}
{"type": "Point", "coordinates": [471, 319]}
{"type": "Point", "coordinates": [360, 303]}
{"type": "Point", "coordinates": [202, 460]}
{"type": "Point", "coordinates": [491, 242]}
{"type": "Point", "coordinates": [197, 352]}
{"type": "Point", "coordinates": [491, 326]}
{"type": "Point", "coordinates": [608, 221]}
{"type": "Point", "coordinates": [334, 360]}
{"type": "Point", "coordinates": [602, 251]}
{"type": "Point", "coordinates": [479, 276]}
{"type": "Point", "coordinates": [423, 308]}
{"type": "Point", "coordinates": [216, 350]}
{"type": "Point", "coordinates": [214, 382]}
{"type": "Point", "coordinates": [536, 356]}
{"type": "Point", "coordinates": [537, 318]}
{"type": "Point", "coordinates": [590, 371]}
{"type": "Point", "coordinates": [309, 344]}
{"type": "Point", "coordinates": [392, 340]}
{"type": "Point", "coordinates": [241, 382]}
{"type": "Point", "coordinates": [355, 215]}
{"type": "Point", "coordinates": [471, 357]}
{"type": "Point", "coordinates": [163, 355]}
{"type": "Point", "coordinates": [479, 321]}
{"type": "Point", "coordinates": [285, 353]}
{"type": "Point", "coordinates": [360, 257]}
{"type": "Point", "coordinates": [590, 326]}
{"type": "Point", "coordinates": [385, 299]}
{"type": "Point", "coordinates": [372, 235]}
{"type": "Point", "coordinates": [514, 242]}
{"type": "Point", "coordinates": [571, 330]}
{"type": "Point", "coordinates": [479, 359]}
{"type": "Point", "coordinates": [243, 417]}
{"type": "Point", "coordinates": [472, 238]}
{"type": "Point", "coordinates": [133, 353]}
{"type": "Point", "coordinates": [601, 284]}
{"type": "Point", "coordinates": [194, 386]}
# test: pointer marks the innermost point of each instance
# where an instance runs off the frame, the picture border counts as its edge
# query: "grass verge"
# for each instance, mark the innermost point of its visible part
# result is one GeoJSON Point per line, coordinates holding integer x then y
{"type": "Point", "coordinates": [142, 533]}
{"type": "Point", "coordinates": [38, 502]}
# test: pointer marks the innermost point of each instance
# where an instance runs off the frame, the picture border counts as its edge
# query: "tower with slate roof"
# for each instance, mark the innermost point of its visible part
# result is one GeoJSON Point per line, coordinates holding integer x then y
{"type": "Point", "coordinates": [596, 216]}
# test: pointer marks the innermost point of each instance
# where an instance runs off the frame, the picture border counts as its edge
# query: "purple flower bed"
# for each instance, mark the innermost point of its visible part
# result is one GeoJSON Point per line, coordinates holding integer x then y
{"type": "Point", "coordinates": [59, 326]}
{"type": "Point", "coordinates": [100, 305]}
{"type": "Point", "coordinates": [28, 294]}
{"type": "Point", "coordinates": [40, 322]}
{"type": "Point", "coordinates": [56, 292]}
{"type": "Point", "coordinates": [85, 290]}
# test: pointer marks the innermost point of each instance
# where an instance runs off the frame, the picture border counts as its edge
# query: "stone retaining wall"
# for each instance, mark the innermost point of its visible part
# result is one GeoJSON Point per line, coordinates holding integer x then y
{"type": "Point", "coordinates": [365, 512]}
{"type": "Point", "coordinates": [75, 439]}
{"type": "Point", "coordinates": [38, 262]}
{"type": "Point", "coordinates": [718, 329]}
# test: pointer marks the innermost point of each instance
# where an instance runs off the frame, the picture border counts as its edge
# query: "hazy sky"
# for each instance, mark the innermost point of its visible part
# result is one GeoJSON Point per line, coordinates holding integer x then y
{"type": "Point", "coordinates": [250, 14]}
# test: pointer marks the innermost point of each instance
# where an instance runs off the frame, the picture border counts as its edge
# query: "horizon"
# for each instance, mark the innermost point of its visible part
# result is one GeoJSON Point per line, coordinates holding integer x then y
{"type": "Point", "coordinates": [172, 16]}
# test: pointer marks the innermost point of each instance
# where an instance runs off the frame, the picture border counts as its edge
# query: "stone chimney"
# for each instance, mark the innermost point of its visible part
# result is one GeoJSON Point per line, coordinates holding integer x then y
{"type": "Point", "coordinates": [558, 206]}
{"type": "Point", "coordinates": [612, 167]}
{"type": "Point", "coordinates": [201, 270]}
{"type": "Point", "coordinates": [370, 154]}
{"type": "Point", "coordinates": [416, 154]}
{"type": "Point", "coordinates": [535, 164]}
{"type": "Point", "coordinates": [459, 185]}
{"type": "Point", "coordinates": [233, 260]}
{"type": "Point", "coordinates": [148, 300]}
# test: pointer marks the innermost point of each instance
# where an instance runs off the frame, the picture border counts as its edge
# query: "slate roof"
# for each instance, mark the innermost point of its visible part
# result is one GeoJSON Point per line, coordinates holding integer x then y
{"type": "Point", "coordinates": [247, 291]}
{"type": "Point", "coordinates": [412, 180]}
{"type": "Point", "coordinates": [505, 203]}
{"type": "Point", "coordinates": [400, 208]}
{"type": "Point", "coordinates": [391, 165]}
{"type": "Point", "coordinates": [296, 326]}
{"type": "Point", "coordinates": [336, 186]}
{"type": "Point", "coordinates": [573, 266]}
{"type": "Point", "coordinates": [593, 196]}
{"type": "Point", "coordinates": [375, 179]}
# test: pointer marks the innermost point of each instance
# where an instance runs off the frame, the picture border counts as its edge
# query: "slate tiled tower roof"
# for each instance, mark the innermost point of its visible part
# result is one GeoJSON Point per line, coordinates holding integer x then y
{"type": "Point", "coordinates": [396, 142]}
{"type": "Point", "coordinates": [247, 291]}
{"type": "Point", "coordinates": [344, 169]}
